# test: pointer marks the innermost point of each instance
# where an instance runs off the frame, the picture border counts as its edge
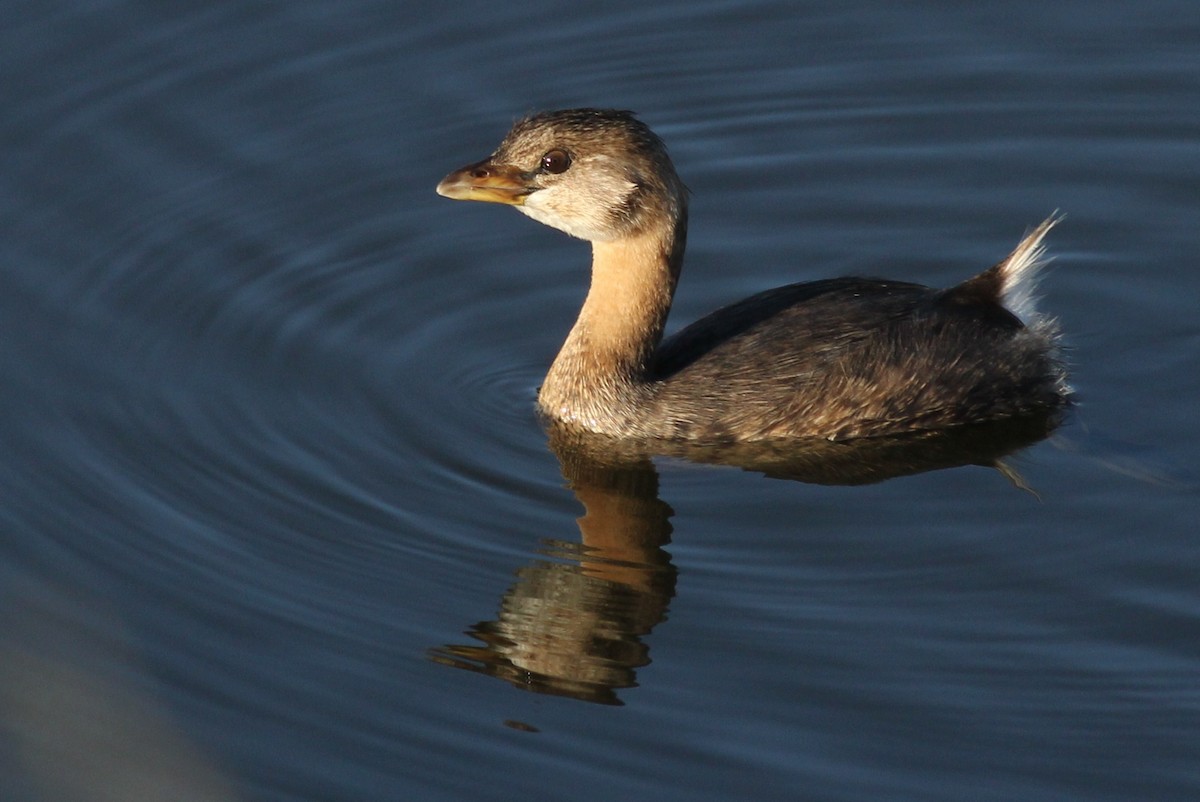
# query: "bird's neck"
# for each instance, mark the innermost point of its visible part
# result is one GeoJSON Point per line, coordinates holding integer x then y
{"type": "Point", "coordinates": [600, 373]}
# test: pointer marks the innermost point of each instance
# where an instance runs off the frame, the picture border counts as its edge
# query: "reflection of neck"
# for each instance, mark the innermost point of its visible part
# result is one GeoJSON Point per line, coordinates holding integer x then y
{"type": "Point", "coordinates": [595, 379]}
{"type": "Point", "coordinates": [625, 524]}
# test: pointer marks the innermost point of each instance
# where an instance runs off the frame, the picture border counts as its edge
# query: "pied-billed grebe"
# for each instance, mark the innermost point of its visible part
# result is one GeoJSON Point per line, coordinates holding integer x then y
{"type": "Point", "coordinates": [839, 358]}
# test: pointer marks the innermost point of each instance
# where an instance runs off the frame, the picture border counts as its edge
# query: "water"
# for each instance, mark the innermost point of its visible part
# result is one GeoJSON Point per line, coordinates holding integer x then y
{"type": "Point", "coordinates": [279, 522]}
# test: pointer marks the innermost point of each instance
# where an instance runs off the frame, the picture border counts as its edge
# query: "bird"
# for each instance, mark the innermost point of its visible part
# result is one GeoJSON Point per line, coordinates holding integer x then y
{"type": "Point", "coordinates": [837, 358]}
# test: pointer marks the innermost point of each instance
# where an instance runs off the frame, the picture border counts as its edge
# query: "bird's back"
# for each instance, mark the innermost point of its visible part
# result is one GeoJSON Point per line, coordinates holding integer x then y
{"type": "Point", "coordinates": [848, 358]}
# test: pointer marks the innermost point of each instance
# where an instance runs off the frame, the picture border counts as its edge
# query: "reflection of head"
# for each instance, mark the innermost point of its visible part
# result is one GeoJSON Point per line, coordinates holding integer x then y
{"type": "Point", "coordinates": [563, 623]}
{"type": "Point", "coordinates": [563, 632]}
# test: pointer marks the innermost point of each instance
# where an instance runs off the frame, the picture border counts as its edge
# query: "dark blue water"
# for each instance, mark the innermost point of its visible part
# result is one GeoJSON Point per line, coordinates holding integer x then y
{"type": "Point", "coordinates": [279, 521]}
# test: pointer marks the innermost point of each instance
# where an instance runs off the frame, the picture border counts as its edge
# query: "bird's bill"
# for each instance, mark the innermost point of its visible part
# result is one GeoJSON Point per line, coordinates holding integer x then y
{"type": "Point", "coordinates": [487, 182]}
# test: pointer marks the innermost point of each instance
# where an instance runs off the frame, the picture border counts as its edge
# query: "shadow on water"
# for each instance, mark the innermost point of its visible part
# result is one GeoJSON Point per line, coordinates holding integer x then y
{"type": "Point", "coordinates": [572, 625]}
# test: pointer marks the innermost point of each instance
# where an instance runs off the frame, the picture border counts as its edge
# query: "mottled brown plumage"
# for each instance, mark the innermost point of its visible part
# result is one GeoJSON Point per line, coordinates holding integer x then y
{"type": "Point", "coordinates": [838, 359]}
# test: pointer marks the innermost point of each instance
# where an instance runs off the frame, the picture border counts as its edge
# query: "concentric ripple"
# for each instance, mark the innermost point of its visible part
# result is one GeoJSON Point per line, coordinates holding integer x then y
{"type": "Point", "coordinates": [268, 444]}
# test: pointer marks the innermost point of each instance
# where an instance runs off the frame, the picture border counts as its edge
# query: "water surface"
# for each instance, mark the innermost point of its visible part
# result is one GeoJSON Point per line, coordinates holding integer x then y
{"type": "Point", "coordinates": [279, 522]}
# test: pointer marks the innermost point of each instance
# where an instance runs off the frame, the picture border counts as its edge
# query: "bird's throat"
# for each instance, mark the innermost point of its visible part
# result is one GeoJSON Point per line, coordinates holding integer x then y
{"type": "Point", "coordinates": [602, 367]}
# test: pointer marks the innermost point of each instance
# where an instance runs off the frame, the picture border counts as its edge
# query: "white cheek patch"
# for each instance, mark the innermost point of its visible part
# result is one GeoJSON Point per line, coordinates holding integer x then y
{"type": "Point", "coordinates": [584, 210]}
{"type": "Point", "coordinates": [548, 210]}
{"type": "Point", "coordinates": [578, 215]}
{"type": "Point", "coordinates": [536, 208]}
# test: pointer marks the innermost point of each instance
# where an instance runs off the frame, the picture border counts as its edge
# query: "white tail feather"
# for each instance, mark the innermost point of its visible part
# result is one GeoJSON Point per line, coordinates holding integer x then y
{"type": "Point", "coordinates": [1019, 272]}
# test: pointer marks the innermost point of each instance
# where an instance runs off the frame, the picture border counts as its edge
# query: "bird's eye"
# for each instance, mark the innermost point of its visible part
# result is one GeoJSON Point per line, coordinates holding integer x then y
{"type": "Point", "coordinates": [556, 161]}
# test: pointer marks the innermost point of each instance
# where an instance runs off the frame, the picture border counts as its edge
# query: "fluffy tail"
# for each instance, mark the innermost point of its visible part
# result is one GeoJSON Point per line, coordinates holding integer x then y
{"type": "Point", "coordinates": [1018, 273]}
{"type": "Point", "coordinates": [1011, 283]}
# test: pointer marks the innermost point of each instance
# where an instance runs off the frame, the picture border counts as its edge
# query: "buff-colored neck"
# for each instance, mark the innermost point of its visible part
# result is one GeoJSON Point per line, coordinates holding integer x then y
{"type": "Point", "coordinates": [599, 375]}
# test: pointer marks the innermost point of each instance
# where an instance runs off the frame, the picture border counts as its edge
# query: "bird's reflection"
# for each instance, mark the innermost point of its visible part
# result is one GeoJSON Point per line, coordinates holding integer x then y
{"type": "Point", "coordinates": [572, 625]}
{"type": "Point", "coordinates": [573, 622]}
